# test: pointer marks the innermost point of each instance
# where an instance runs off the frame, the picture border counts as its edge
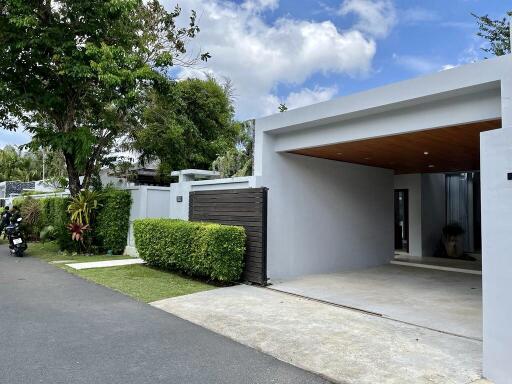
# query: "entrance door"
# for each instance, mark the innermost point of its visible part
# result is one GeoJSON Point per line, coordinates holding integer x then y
{"type": "Point", "coordinates": [402, 220]}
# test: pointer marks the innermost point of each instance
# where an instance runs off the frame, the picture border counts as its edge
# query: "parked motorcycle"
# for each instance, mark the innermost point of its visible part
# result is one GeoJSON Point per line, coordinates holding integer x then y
{"type": "Point", "coordinates": [17, 242]}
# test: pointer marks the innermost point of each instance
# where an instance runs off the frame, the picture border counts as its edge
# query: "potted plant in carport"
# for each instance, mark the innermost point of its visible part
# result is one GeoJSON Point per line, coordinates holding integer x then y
{"type": "Point", "coordinates": [451, 241]}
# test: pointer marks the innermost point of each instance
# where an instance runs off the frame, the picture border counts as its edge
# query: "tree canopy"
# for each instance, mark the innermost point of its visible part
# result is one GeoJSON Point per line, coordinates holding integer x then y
{"type": "Point", "coordinates": [16, 164]}
{"type": "Point", "coordinates": [496, 32]}
{"type": "Point", "coordinates": [73, 72]}
{"type": "Point", "coordinates": [188, 126]}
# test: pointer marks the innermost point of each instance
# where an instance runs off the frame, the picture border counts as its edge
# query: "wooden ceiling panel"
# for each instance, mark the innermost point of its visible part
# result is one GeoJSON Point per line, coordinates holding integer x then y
{"type": "Point", "coordinates": [450, 149]}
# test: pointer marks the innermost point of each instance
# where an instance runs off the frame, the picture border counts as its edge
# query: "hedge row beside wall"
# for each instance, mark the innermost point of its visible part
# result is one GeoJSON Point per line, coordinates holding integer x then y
{"type": "Point", "coordinates": [54, 212]}
{"type": "Point", "coordinates": [199, 249]}
{"type": "Point", "coordinates": [113, 220]}
{"type": "Point", "coordinates": [110, 227]}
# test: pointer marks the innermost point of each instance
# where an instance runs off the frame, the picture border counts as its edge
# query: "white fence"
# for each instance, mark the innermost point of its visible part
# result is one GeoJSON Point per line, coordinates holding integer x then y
{"type": "Point", "coordinates": [147, 201]}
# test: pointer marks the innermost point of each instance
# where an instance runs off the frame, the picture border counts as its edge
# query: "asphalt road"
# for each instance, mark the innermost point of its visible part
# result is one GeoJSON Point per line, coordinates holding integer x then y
{"type": "Point", "coordinates": [58, 328]}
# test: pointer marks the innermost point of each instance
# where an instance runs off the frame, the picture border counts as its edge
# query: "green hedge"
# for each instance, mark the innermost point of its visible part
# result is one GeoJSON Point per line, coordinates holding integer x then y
{"type": "Point", "coordinates": [110, 226]}
{"type": "Point", "coordinates": [54, 212]}
{"type": "Point", "coordinates": [113, 220]}
{"type": "Point", "coordinates": [199, 249]}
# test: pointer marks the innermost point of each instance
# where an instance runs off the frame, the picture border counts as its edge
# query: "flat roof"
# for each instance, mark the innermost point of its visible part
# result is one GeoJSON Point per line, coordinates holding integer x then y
{"type": "Point", "coordinates": [463, 80]}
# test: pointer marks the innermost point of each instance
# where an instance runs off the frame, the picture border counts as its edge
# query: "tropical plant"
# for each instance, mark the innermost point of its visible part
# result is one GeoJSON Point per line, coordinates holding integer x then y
{"type": "Point", "coordinates": [82, 207]}
{"type": "Point", "coordinates": [78, 231]}
{"type": "Point", "coordinates": [31, 213]}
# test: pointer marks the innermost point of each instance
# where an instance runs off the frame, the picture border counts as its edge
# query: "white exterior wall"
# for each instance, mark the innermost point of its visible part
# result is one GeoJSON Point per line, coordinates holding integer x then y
{"type": "Point", "coordinates": [325, 216]}
{"type": "Point", "coordinates": [496, 158]}
{"type": "Point", "coordinates": [412, 183]}
{"type": "Point", "coordinates": [147, 201]}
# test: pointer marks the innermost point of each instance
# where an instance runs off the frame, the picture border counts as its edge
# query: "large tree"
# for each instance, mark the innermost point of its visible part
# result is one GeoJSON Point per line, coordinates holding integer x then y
{"type": "Point", "coordinates": [188, 126]}
{"type": "Point", "coordinates": [496, 32]}
{"type": "Point", "coordinates": [72, 72]}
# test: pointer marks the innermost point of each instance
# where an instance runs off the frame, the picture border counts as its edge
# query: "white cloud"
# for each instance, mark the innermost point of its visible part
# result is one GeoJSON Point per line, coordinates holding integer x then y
{"type": "Point", "coordinates": [309, 96]}
{"type": "Point", "coordinates": [302, 98]}
{"type": "Point", "coordinates": [418, 64]}
{"type": "Point", "coordinates": [448, 66]}
{"type": "Point", "coordinates": [376, 17]}
{"type": "Point", "coordinates": [260, 5]}
{"type": "Point", "coordinates": [417, 15]}
{"type": "Point", "coordinates": [258, 56]}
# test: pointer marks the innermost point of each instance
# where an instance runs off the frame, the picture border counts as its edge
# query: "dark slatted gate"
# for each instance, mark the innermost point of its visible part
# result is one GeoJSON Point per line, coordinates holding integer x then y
{"type": "Point", "coordinates": [244, 207]}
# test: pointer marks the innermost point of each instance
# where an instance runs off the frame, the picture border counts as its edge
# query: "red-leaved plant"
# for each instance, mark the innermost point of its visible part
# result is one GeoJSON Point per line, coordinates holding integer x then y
{"type": "Point", "coordinates": [78, 231]}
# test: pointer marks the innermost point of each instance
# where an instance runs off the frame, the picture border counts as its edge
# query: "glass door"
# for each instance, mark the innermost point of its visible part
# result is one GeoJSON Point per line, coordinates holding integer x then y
{"type": "Point", "coordinates": [402, 220]}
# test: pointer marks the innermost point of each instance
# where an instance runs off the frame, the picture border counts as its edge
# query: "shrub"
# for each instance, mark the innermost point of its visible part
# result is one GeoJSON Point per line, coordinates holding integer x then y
{"type": "Point", "coordinates": [199, 249]}
{"type": "Point", "coordinates": [113, 220]}
{"type": "Point", "coordinates": [48, 218]}
{"type": "Point", "coordinates": [54, 213]}
{"type": "Point", "coordinates": [47, 233]}
{"type": "Point", "coordinates": [32, 219]}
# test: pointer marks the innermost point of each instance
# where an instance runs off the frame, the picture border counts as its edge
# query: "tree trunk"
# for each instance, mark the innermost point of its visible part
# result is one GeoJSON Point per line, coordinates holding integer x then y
{"type": "Point", "coordinates": [73, 176]}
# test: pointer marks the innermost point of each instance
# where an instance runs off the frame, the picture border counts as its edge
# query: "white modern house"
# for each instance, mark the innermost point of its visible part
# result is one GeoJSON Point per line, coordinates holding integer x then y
{"type": "Point", "coordinates": [356, 181]}
{"type": "Point", "coordinates": [357, 192]}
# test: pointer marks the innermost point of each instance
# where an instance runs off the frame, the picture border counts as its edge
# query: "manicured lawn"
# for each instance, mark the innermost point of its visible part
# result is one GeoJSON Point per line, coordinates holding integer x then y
{"type": "Point", "coordinates": [144, 283]}
{"type": "Point", "coordinates": [138, 281]}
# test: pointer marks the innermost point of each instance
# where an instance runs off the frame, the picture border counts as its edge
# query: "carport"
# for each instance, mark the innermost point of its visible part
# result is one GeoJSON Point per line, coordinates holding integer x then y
{"type": "Point", "coordinates": [333, 169]}
{"type": "Point", "coordinates": [443, 294]}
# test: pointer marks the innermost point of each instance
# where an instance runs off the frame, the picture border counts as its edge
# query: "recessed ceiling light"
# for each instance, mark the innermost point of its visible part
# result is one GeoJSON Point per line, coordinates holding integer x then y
{"type": "Point", "coordinates": [431, 166]}
{"type": "Point", "coordinates": [425, 153]}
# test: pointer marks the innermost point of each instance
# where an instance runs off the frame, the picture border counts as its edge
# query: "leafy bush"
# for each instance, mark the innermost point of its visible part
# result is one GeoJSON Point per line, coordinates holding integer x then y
{"type": "Point", "coordinates": [200, 249]}
{"type": "Point", "coordinates": [109, 223]}
{"type": "Point", "coordinates": [113, 220]}
{"type": "Point", "coordinates": [47, 233]}
{"type": "Point", "coordinates": [31, 213]}
{"type": "Point", "coordinates": [55, 214]}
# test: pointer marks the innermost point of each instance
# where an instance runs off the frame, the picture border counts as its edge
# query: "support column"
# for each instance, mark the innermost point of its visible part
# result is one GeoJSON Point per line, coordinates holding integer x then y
{"type": "Point", "coordinates": [496, 163]}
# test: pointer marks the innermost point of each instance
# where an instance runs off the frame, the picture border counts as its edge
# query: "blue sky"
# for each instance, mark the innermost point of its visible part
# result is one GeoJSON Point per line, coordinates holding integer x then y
{"type": "Point", "coordinates": [427, 35]}
{"type": "Point", "coordinates": [305, 51]}
{"type": "Point", "coordinates": [400, 39]}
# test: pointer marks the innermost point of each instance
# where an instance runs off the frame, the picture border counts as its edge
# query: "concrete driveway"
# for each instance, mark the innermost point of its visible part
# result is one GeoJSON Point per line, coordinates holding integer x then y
{"type": "Point", "coordinates": [57, 328]}
{"type": "Point", "coordinates": [344, 345]}
{"type": "Point", "coordinates": [445, 301]}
